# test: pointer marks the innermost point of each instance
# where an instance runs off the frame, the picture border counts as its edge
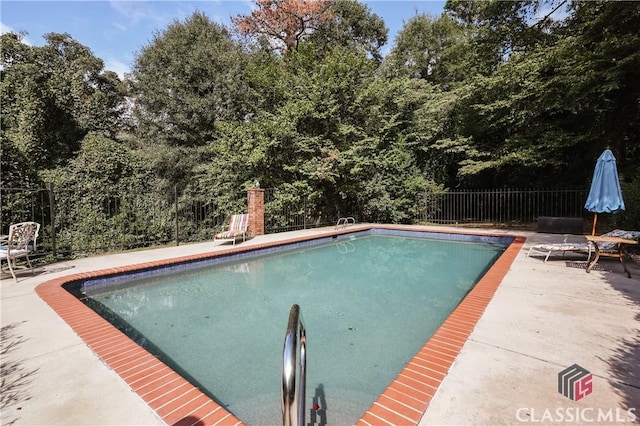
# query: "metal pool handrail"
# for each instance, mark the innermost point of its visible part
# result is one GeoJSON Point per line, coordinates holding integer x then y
{"type": "Point", "coordinates": [345, 221]}
{"type": "Point", "coordinates": [293, 406]}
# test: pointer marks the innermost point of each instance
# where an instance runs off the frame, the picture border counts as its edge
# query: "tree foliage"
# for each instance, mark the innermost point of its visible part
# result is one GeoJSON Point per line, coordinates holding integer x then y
{"type": "Point", "coordinates": [488, 94]}
{"type": "Point", "coordinates": [496, 29]}
{"type": "Point", "coordinates": [285, 22]}
{"type": "Point", "coordinates": [337, 139]}
{"type": "Point", "coordinates": [53, 95]}
{"type": "Point", "coordinates": [190, 76]}
{"type": "Point", "coordinates": [352, 25]}
{"type": "Point", "coordinates": [187, 78]}
{"type": "Point", "coordinates": [98, 191]}
{"type": "Point", "coordinates": [551, 110]}
{"type": "Point", "coordinates": [429, 48]}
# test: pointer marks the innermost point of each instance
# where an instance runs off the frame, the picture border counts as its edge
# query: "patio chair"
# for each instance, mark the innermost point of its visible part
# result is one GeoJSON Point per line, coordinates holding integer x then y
{"type": "Point", "coordinates": [563, 247]}
{"type": "Point", "coordinates": [612, 244]}
{"type": "Point", "coordinates": [238, 226]}
{"type": "Point", "coordinates": [19, 243]}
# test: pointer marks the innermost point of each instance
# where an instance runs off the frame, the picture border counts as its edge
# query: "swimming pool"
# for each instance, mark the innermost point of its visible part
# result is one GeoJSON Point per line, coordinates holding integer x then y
{"type": "Point", "coordinates": [448, 338]}
{"type": "Point", "coordinates": [369, 303]}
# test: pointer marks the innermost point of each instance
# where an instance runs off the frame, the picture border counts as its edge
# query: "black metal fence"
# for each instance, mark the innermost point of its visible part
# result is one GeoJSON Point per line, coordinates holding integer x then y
{"type": "Point", "coordinates": [500, 207]}
{"type": "Point", "coordinates": [75, 224]}
{"type": "Point", "coordinates": [287, 212]}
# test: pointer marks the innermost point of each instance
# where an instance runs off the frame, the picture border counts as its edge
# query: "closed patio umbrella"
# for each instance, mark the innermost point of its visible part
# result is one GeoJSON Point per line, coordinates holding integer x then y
{"type": "Point", "coordinates": [605, 195]}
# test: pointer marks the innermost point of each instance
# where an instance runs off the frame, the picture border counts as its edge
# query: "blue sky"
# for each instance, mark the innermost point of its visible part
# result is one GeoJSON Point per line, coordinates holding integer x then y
{"type": "Point", "coordinates": [115, 30]}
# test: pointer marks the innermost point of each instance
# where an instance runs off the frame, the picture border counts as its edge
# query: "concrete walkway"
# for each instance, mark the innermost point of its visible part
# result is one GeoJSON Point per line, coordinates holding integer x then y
{"type": "Point", "coordinates": [544, 318]}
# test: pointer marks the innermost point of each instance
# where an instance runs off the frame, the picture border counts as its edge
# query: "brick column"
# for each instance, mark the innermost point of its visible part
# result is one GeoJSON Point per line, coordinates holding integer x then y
{"type": "Point", "coordinates": [255, 207]}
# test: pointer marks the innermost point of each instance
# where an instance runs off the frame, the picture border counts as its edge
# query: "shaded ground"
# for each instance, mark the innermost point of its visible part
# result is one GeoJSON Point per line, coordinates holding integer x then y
{"type": "Point", "coordinates": [15, 377]}
{"type": "Point", "coordinates": [625, 363]}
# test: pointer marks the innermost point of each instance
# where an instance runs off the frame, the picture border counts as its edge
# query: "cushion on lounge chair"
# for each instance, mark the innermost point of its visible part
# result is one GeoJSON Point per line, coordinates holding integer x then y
{"type": "Point", "coordinates": [585, 247]}
{"type": "Point", "coordinates": [619, 233]}
{"type": "Point", "coordinates": [238, 225]}
{"type": "Point", "coordinates": [561, 247]}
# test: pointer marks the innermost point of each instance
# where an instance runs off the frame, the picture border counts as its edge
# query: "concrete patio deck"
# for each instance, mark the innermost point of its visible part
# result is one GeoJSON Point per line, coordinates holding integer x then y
{"type": "Point", "coordinates": [543, 318]}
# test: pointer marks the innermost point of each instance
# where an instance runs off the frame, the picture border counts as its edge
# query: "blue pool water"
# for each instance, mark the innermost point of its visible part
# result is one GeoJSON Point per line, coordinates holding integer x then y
{"type": "Point", "coordinates": [369, 303]}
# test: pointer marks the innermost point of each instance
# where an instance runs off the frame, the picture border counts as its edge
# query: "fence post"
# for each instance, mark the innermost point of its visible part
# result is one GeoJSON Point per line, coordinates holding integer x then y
{"type": "Point", "coordinates": [304, 214]}
{"type": "Point", "coordinates": [255, 208]}
{"type": "Point", "coordinates": [175, 201]}
{"type": "Point", "coordinates": [508, 207]}
{"type": "Point", "coordinates": [52, 216]}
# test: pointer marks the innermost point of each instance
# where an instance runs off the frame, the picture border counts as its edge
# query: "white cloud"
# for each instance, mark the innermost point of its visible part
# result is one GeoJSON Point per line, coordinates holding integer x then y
{"type": "Point", "coordinates": [138, 11]}
{"type": "Point", "coordinates": [7, 29]}
{"type": "Point", "coordinates": [116, 66]}
{"type": "Point", "coordinates": [118, 26]}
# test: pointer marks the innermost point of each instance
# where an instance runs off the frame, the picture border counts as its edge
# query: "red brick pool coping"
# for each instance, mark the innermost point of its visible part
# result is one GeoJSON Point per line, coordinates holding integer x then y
{"type": "Point", "coordinates": [178, 402]}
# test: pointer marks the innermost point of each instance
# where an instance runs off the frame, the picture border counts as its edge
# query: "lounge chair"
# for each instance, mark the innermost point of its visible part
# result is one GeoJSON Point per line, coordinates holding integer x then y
{"type": "Point", "coordinates": [19, 243]}
{"type": "Point", "coordinates": [562, 247]}
{"type": "Point", "coordinates": [238, 226]}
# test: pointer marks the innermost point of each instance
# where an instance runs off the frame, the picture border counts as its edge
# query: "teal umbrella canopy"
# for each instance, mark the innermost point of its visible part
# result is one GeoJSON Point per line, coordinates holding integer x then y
{"type": "Point", "coordinates": [605, 195]}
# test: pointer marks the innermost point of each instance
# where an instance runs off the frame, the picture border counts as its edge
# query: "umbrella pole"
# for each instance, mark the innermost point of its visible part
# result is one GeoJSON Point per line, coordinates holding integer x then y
{"type": "Point", "coordinates": [595, 220]}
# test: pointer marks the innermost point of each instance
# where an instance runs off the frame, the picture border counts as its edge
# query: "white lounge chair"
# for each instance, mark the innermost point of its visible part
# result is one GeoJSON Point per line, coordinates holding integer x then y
{"type": "Point", "coordinates": [608, 245]}
{"type": "Point", "coordinates": [238, 226]}
{"type": "Point", "coordinates": [563, 247]}
{"type": "Point", "coordinates": [19, 243]}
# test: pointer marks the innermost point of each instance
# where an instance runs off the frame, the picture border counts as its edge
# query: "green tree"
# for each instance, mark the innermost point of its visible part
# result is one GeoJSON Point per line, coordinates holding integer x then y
{"type": "Point", "coordinates": [105, 198]}
{"type": "Point", "coordinates": [53, 95]}
{"type": "Point", "coordinates": [338, 138]}
{"type": "Point", "coordinates": [496, 29]}
{"type": "Point", "coordinates": [352, 25]}
{"type": "Point", "coordinates": [549, 111]}
{"type": "Point", "coordinates": [429, 48]}
{"type": "Point", "coordinates": [598, 78]}
{"type": "Point", "coordinates": [383, 170]}
{"type": "Point", "coordinates": [191, 75]}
